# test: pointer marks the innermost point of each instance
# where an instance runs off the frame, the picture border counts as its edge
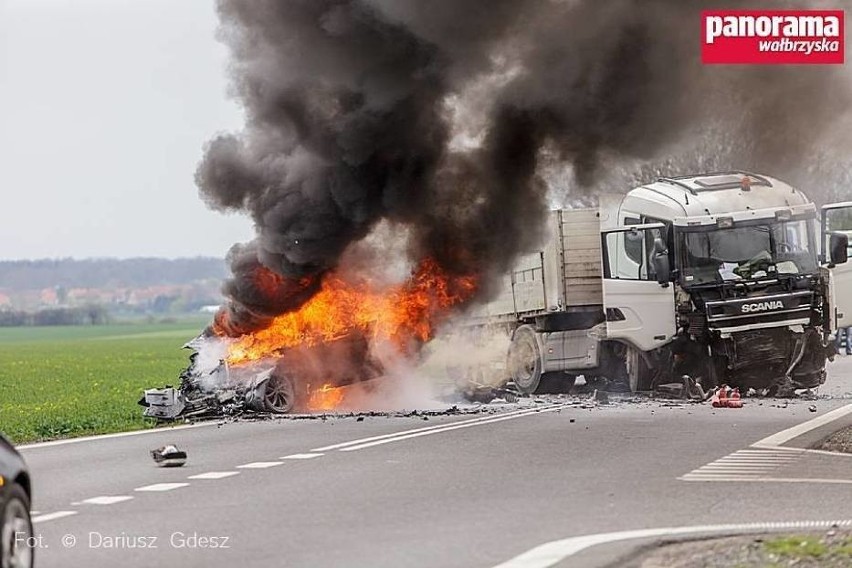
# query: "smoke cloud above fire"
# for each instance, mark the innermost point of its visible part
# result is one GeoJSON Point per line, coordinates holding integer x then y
{"type": "Point", "coordinates": [442, 115]}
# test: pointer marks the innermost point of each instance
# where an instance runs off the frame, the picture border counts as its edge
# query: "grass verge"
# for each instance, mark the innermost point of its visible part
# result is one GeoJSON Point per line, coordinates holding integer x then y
{"type": "Point", "coordinates": [830, 549]}
{"type": "Point", "coordinates": [73, 381]}
{"type": "Point", "coordinates": [840, 441]}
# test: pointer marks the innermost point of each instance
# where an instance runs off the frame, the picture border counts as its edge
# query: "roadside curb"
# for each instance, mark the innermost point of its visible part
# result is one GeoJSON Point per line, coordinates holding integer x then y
{"type": "Point", "coordinates": [558, 551]}
{"type": "Point", "coordinates": [809, 433]}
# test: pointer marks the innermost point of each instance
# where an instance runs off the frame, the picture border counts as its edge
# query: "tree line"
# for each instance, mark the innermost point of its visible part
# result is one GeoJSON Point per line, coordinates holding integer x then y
{"type": "Point", "coordinates": [21, 275]}
{"type": "Point", "coordinates": [90, 314]}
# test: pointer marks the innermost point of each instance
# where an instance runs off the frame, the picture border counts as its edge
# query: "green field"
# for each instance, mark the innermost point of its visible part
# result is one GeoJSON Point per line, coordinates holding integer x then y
{"type": "Point", "coordinates": [58, 382]}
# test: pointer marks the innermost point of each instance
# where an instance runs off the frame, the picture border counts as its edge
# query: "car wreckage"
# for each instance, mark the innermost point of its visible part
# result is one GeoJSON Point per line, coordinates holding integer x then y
{"type": "Point", "coordinates": [278, 385]}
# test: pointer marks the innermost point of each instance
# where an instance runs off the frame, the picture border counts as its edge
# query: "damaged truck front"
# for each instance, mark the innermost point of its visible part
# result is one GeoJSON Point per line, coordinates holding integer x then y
{"type": "Point", "coordinates": [737, 287]}
{"type": "Point", "coordinates": [731, 278]}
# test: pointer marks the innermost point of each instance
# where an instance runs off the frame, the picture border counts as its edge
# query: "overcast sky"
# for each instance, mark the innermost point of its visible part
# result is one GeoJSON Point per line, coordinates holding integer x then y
{"type": "Point", "coordinates": [105, 106]}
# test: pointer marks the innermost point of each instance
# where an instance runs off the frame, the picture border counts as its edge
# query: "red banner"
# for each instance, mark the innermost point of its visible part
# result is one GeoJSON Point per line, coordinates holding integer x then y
{"type": "Point", "coordinates": [773, 37]}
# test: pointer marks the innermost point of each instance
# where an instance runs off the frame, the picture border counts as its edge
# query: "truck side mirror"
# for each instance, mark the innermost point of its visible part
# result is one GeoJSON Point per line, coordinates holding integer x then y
{"type": "Point", "coordinates": [660, 260]}
{"type": "Point", "coordinates": [838, 248]}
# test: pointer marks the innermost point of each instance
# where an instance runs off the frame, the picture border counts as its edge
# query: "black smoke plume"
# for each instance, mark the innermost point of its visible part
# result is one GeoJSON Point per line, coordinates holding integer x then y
{"type": "Point", "coordinates": [440, 114]}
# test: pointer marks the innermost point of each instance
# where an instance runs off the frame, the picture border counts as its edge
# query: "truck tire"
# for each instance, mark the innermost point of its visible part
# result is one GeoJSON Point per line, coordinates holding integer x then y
{"type": "Point", "coordinates": [524, 360]}
{"type": "Point", "coordinates": [639, 375]}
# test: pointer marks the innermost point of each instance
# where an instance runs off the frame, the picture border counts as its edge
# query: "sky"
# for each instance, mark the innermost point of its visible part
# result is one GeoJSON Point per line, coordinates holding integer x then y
{"type": "Point", "coordinates": [105, 107]}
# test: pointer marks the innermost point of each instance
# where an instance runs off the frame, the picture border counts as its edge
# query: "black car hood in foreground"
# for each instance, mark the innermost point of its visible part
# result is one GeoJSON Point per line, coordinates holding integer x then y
{"type": "Point", "coordinates": [12, 466]}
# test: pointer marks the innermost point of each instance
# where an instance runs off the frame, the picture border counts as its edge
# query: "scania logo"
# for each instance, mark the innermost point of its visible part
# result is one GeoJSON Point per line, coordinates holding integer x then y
{"type": "Point", "coordinates": [762, 306]}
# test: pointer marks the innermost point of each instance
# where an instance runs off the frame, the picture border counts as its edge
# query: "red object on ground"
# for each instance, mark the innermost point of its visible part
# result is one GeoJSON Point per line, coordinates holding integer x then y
{"type": "Point", "coordinates": [723, 400]}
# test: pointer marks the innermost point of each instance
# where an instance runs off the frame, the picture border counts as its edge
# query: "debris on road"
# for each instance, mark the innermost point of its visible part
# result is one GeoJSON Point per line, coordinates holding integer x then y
{"type": "Point", "coordinates": [169, 456]}
{"type": "Point", "coordinates": [486, 394]}
{"type": "Point", "coordinates": [725, 397]}
{"type": "Point", "coordinates": [812, 408]}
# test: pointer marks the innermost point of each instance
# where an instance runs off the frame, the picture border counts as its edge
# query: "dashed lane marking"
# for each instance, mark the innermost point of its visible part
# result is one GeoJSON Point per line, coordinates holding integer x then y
{"type": "Point", "coordinates": [259, 465]}
{"type": "Point", "coordinates": [53, 516]}
{"type": "Point", "coordinates": [161, 487]}
{"type": "Point", "coordinates": [301, 456]}
{"type": "Point", "coordinates": [214, 475]}
{"type": "Point", "coordinates": [105, 500]}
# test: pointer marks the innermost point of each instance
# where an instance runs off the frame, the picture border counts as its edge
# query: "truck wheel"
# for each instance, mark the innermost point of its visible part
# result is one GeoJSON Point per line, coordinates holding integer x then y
{"type": "Point", "coordinates": [639, 376]}
{"type": "Point", "coordinates": [525, 360]}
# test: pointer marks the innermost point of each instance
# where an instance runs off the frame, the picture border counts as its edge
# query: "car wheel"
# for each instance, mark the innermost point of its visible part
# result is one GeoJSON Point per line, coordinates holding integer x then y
{"type": "Point", "coordinates": [16, 530]}
{"type": "Point", "coordinates": [280, 395]}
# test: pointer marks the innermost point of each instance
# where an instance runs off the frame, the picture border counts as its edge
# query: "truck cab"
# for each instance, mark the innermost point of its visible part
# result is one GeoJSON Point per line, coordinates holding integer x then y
{"type": "Point", "coordinates": [727, 277]}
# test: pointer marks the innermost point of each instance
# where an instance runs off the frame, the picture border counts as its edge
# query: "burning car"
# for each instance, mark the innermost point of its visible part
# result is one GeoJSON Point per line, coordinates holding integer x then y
{"type": "Point", "coordinates": [297, 379]}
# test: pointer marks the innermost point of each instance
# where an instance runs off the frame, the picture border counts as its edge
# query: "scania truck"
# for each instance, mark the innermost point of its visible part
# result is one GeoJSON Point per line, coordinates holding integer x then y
{"type": "Point", "coordinates": [731, 278]}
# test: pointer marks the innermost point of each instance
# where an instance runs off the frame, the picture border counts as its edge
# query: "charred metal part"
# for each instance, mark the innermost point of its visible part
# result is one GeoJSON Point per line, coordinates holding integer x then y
{"type": "Point", "coordinates": [485, 394]}
{"type": "Point", "coordinates": [164, 404]}
{"type": "Point", "coordinates": [169, 456]}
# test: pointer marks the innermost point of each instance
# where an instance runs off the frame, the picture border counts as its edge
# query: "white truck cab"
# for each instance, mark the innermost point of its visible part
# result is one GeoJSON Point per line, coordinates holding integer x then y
{"type": "Point", "coordinates": [728, 277]}
{"type": "Point", "coordinates": [743, 299]}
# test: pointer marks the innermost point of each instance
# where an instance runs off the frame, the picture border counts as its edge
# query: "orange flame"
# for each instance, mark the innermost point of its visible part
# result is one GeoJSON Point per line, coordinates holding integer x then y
{"type": "Point", "coordinates": [326, 397]}
{"type": "Point", "coordinates": [403, 314]}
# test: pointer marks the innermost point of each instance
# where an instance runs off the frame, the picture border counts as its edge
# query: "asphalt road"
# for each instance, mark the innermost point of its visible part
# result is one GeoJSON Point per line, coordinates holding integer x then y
{"type": "Point", "coordinates": [468, 491]}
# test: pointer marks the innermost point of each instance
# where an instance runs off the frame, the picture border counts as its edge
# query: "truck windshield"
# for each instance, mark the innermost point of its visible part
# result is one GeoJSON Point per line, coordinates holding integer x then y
{"type": "Point", "coordinates": [751, 252]}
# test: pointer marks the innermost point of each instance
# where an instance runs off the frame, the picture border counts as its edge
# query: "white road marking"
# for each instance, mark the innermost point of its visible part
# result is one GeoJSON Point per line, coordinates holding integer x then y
{"type": "Point", "coordinates": [53, 516]}
{"type": "Point", "coordinates": [762, 458]}
{"type": "Point", "coordinates": [448, 428]}
{"type": "Point", "coordinates": [106, 500]}
{"type": "Point", "coordinates": [692, 477]}
{"type": "Point", "coordinates": [743, 464]}
{"type": "Point", "coordinates": [424, 429]}
{"type": "Point", "coordinates": [556, 551]}
{"type": "Point", "coordinates": [785, 436]}
{"type": "Point", "coordinates": [161, 487]}
{"type": "Point", "coordinates": [736, 466]}
{"type": "Point", "coordinates": [214, 475]}
{"type": "Point", "coordinates": [259, 465]}
{"type": "Point", "coordinates": [734, 458]}
{"type": "Point", "coordinates": [301, 456]}
{"type": "Point", "coordinates": [160, 430]}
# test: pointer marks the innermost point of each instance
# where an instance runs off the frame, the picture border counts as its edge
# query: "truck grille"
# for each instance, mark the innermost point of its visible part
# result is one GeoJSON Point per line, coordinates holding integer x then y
{"type": "Point", "coordinates": [782, 308]}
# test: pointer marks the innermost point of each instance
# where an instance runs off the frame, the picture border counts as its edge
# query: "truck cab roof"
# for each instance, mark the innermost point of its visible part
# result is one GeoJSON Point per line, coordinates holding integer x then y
{"type": "Point", "coordinates": [716, 193]}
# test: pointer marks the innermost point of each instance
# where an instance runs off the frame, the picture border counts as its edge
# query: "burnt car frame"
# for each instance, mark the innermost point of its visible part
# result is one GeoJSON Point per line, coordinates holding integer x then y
{"type": "Point", "coordinates": [278, 384]}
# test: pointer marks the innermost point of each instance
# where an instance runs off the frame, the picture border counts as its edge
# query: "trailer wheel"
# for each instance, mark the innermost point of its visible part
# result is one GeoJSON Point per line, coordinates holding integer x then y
{"type": "Point", "coordinates": [525, 360]}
